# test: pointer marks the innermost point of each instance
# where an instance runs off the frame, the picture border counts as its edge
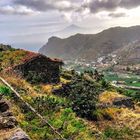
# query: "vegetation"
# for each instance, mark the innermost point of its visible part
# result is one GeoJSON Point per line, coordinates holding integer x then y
{"type": "Point", "coordinates": [134, 94]}
{"type": "Point", "coordinates": [72, 106]}
{"type": "Point", "coordinates": [5, 90]}
{"type": "Point", "coordinates": [83, 96]}
{"type": "Point", "coordinates": [117, 133]}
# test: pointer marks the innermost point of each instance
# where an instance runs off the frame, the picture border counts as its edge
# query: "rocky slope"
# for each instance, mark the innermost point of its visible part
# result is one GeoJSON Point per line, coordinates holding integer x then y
{"type": "Point", "coordinates": [91, 46]}
{"type": "Point", "coordinates": [9, 129]}
{"type": "Point", "coordinates": [129, 54]}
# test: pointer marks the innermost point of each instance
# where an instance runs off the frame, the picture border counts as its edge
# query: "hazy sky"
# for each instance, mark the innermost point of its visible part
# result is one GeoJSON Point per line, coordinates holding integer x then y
{"type": "Point", "coordinates": [29, 23]}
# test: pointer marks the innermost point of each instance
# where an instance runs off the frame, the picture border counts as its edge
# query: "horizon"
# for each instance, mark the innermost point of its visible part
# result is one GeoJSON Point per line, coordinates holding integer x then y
{"type": "Point", "coordinates": [27, 24]}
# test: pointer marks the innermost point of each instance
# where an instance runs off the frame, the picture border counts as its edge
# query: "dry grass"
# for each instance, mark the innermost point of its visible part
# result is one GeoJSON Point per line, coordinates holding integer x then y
{"type": "Point", "coordinates": [64, 81]}
{"type": "Point", "coordinates": [21, 85]}
{"type": "Point", "coordinates": [130, 118]}
{"type": "Point", "coordinates": [17, 112]}
{"type": "Point", "coordinates": [7, 133]}
{"type": "Point", "coordinates": [109, 96]}
{"type": "Point", "coordinates": [49, 87]}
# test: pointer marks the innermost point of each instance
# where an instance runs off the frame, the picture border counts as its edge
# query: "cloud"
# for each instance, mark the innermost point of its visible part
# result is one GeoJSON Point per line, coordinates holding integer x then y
{"type": "Point", "coordinates": [110, 5]}
{"type": "Point", "coordinates": [69, 9]}
{"type": "Point", "coordinates": [117, 15]}
{"type": "Point", "coordinates": [128, 4]}
{"type": "Point", "coordinates": [16, 10]}
{"type": "Point", "coordinates": [45, 5]}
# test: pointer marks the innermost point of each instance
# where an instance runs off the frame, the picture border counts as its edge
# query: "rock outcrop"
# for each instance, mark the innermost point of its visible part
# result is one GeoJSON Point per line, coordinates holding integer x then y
{"type": "Point", "coordinates": [9, 123]}
{"type": "Point", "coordinates": [19, 135]}
{"type": "Point", "coordinates": [124, 102]}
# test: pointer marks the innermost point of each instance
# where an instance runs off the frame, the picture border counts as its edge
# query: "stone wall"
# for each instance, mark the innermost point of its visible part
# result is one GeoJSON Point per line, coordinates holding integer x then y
{"type": "Point", "coordinates": [9, 129]}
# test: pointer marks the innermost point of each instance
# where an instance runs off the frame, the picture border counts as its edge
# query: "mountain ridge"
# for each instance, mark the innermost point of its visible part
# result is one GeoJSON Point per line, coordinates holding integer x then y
{"type": "Point", "coordinates": [90, 46]}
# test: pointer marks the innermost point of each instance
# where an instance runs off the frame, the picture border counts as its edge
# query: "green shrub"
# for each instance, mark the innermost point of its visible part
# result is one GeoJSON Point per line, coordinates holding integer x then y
{"type": "Point", "coordinates": [47, 104]}
{"type": "Point", "coordinates": [5, 91]}
{"type": "Point", "coordinates": [117, 133]}
{"type": "Point", "coordinates": [83, 96]}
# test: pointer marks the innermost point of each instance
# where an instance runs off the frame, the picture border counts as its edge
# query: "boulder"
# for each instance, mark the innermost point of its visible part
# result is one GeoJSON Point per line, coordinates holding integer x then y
{"type": "Point", "coordinates": [3, 106]}
{"type": "Point", "coordinates": [6, 114]}
{"type": "Point", "coordinates": [20, 135]}
{"type": "Point", "coordinates": [124, 102]}
{"type": "Point", "coordinates": [8, 122]}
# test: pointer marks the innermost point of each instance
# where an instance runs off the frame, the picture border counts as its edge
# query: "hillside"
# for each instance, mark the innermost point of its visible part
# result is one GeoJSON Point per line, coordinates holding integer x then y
{"type": "Point", "coordinates": [91, 46]}
{"type": "Point", "coordinates": [79, 107]}
{"type": "Point", "coordinates": [129, 54]}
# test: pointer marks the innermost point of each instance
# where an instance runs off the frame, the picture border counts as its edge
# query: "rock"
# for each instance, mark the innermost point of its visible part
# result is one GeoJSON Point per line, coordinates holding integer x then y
{"type": "Point", "coordinates": [0, 96]}
{"type": "Point", "coordinates": [20, 135]}
{"type": "Point", "coordinates": [8, 122]}
{"type": "Point", "coordinates": [103, 105]}
{"type": "Point", "coordinates": [6, 114]}
{"type": "Point", "coordinates": [3, 106]}
{"type": "Point", "coordinates": [124, 102]}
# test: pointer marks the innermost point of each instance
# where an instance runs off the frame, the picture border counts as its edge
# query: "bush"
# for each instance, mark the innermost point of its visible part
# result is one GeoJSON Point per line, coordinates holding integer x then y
{"type": "Point", "coordinates": [47, 104]}
{"type": "Point", "coordinates": [117, 133]}
{"type": "Point", "coordinates": [66, 76]}
{"type": "Point", "coordinates": [5, 91]}
{"type": "Point", "coordinates": [83, 96]}
{"type": "Point", "coordinates": [35, 78]}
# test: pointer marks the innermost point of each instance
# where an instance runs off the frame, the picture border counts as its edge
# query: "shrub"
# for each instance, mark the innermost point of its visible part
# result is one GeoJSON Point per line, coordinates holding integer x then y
{"type": "Point", "coordinates": [66, 75]}
{"type": "Point", "coordinates": [83, 96]}
{"type": "Point", "coordinates": [117, 133]}
{"type": "Point", "coordinates": [47, 104]}
{"type": "Point", "coordinates": [5, 91]}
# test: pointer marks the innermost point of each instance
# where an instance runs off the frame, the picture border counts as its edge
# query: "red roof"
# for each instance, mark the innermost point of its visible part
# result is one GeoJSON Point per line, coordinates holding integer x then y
{"type": "Point", "coordinates": [30, 55]}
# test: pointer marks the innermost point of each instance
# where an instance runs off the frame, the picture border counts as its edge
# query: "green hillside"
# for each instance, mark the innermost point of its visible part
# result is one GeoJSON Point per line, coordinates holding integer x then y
{"type": "Point", "coordinates": [80, 107]}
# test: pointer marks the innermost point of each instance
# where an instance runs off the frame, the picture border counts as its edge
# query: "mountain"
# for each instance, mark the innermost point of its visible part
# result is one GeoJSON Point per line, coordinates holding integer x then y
{"type": "Point", "coordinates": [73, 27]}
{"type": "Point", "coordinates": [70, 30]}
{"type": "Point", "coordinates": [129, 54]}
{"type": "Point", "coordinates": [91, 46]}
{"type": "Point", "coordinates": [34, 39]}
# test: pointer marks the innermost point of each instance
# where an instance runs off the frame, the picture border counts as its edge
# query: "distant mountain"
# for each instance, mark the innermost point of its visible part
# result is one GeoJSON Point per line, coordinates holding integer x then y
{"type": "Point", "coordinates": [129, 54]}
{"type": "Point", "coordinates": [25, 40]}
{"type": "Point", "coordinates": [91, 46]}
{"type": "Point", "coordinates": [70, 30]}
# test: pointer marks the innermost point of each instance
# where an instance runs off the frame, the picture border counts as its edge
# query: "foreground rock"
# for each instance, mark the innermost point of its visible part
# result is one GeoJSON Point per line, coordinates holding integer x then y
{"type": "Point", "coordinates": [19, 135]}
{"type": "Point", "coordinates": [8, 123]}
{"type": "Point", "coordinates": [124, 102]}
{"type": "Point", "coordinates": [3, 106]}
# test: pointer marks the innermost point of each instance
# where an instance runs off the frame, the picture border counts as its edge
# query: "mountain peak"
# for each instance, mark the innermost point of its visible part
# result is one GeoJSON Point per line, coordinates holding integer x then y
{"type": "Point", "coordinates": [73, 27]}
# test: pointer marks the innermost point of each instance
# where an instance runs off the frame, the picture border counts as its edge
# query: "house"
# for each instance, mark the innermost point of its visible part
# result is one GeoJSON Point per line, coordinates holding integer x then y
{"type": "Point", "coordinates": [37, 68]}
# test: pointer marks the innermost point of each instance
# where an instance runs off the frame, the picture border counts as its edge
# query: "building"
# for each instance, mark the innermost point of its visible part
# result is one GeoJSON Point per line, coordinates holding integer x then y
{"type": "Point", "coordinates": [37, 68]}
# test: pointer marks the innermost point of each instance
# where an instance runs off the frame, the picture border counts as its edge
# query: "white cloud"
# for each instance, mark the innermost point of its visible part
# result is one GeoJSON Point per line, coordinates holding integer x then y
{"type": "Point", "coordinates": [21, 10]}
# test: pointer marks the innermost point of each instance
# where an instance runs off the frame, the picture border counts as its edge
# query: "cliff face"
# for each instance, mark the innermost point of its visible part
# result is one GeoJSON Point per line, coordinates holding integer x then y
{"type": "Point", "coordinates": [9, 129]}
{"type": "Point", "coordinates": [91, 47]}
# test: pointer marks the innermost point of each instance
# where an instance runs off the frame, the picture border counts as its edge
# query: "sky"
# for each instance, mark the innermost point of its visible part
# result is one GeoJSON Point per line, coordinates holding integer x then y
{"type": "Point", "coordinates": [28, 24]}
